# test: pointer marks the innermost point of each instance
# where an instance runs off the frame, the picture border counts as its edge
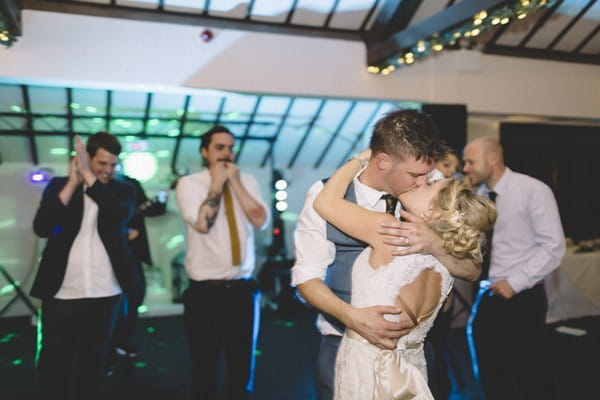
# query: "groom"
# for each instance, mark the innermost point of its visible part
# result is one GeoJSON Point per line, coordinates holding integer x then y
{"type": "Point", "coordinates": [405, 145]}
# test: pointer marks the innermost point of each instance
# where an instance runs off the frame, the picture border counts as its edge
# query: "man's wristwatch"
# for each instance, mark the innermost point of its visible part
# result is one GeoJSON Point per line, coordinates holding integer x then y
{"type": "Point", "coordinates": [363, 163]}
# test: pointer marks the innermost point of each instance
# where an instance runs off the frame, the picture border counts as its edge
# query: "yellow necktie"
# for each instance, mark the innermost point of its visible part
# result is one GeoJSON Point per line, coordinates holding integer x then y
{"type": "Point", "coordinates": [236, 258]}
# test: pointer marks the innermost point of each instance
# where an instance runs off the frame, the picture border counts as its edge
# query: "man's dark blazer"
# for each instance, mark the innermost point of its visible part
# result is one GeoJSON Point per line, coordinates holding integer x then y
{"type": "Point", "coordinates": [60, 224]}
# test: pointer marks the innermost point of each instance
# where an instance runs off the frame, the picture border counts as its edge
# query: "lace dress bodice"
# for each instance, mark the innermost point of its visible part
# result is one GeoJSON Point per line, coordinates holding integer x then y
{"type": "Point", "coordinates": [355, 370]}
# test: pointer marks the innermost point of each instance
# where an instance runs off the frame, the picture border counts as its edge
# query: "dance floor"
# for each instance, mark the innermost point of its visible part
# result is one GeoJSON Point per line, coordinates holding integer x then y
{"type": "Point", "coordinates": [285, 359]}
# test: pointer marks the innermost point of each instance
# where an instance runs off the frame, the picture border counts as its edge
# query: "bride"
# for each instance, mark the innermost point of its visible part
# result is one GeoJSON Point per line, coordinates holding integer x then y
{"type": "Point", "coordinates": [417, 283]}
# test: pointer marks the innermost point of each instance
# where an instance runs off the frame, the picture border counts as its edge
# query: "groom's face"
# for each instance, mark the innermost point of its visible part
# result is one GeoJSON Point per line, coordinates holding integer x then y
{"type": "Point", "coordinates": [407, 175]}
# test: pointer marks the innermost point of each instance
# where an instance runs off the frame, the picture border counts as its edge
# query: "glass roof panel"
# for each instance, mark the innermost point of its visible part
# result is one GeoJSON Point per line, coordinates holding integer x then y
{"type": "Point", "coordinates": [312, 12]}
{"type": "Point", "coordinates": [191, 6]}
{"type": "Point", "coordinates": [167, 105]}
{"type": "Point", "coordinates": [13, 123]}
{"type": "Point", "coordinates": [336, 155]}
{"type": "Point", "coordinates": [48, 100]}
{"type": "Point", "coordinates": [286, 144]}
{"type": "Point", "coordinates": [357, 120]}
{"type": "Point", "coordinates": [238, 107]}
{"type": "Point", "coordinates": [89, 125]}
{"type": "Point", "coordinates": [228, 8]}
{"type": "Point", "coordinates": [265, 126]}
{"type": "Point", "coordinates": [350, 14]}
{"type": "Point", "coordinates": [89, 102]}
{"type": "Point", "coordinates": [254, 152]}
{"type": "Point", "coordinates": [120, 126]}
{"type": "Point", "coordinates": [15, 149]}
{"type": "Point", "coordinates": [11, 99]}
{"type": "Point", "coordinates": [196, 128]}
{"type": "Point", "coordinates": [50, 124]}
{"type": "Point", "coordinates": [53, 149]}
{"type": "Point", "coordinates": [139, 3]}
{"type": "Point", "coordinates": [272, 11]}
{"type": "Point", "coordinates": [201, 104]}
{"type": "Point", "coordinates": [128, 104]}
{"type": "Point", "coordinates": [189, 158]}
{"type": "Point", "coordinates": [170, 127]}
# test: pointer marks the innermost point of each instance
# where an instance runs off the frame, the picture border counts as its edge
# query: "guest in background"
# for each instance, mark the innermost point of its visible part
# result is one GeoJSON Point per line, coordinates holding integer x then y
{"type": "Point", "coordinates": [449, 165]}
{"type": "Point", "coordinates": [526, 245]}
{"type": "Point", "coordinates": [220, 207]}
{"type": "Point", "coordinates": [85, 267]}
{"type": "Point", "coordinates": [140, 248]}
{"type": "Point", "coordinates": [437, 337]}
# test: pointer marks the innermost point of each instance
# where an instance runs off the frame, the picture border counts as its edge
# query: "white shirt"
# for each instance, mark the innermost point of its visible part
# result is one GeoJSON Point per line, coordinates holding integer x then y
{"type": "Point", "coordinates": [89, 271]}
{"type": "Point", "coordinates": [314, 253]}
{"type": "Point", "coordinates": [528, 241]}
{"type": "Point", "coordinates": [208, 255]}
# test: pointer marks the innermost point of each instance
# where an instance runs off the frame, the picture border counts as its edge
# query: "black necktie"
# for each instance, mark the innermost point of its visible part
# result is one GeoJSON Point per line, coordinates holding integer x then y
{"type": "Point", "coordinates": [487, 250]}
{"type": "Point", "coordinates": [390, 203]}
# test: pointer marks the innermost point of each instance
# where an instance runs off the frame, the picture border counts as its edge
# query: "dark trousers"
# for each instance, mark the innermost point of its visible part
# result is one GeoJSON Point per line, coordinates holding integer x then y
{"type": "Point", "coordinates": [435, 348]}
{"type": "Point", "coordinates": [509, 338]}
{"type": "Point", "coordinates": [221, 315]}
{"type": "Point", "coordinates": [328, 349]}
{"type": "Point", "coordinates": [75, 339]}
{"type": "Point", "coordinates": [128, 315]}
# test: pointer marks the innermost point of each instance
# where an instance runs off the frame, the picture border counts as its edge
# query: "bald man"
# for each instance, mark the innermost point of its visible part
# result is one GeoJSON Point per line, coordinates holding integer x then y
{"type": "Point", "coordinates": [528, 243]}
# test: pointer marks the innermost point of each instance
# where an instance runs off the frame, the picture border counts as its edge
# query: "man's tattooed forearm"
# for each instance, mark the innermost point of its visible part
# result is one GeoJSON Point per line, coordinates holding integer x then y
{"type": "Point", "coordinates": [212, 203]}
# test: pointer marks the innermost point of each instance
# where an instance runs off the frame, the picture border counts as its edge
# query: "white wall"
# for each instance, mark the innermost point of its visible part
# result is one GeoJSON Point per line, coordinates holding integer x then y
{"type": "Point", "coordinates": [102, 51]}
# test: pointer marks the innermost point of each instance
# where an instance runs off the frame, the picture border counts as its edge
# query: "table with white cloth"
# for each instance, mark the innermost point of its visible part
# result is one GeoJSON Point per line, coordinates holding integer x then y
{"type": "Point", "coordinates": [573, 289]}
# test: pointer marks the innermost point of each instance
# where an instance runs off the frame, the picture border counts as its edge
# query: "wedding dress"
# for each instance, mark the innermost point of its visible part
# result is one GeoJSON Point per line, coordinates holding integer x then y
{"type": "Point", "coordinates": [364, 371]}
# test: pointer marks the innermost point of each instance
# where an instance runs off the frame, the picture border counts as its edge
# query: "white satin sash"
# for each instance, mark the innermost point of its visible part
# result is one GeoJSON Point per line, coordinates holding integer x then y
{"type": "Point", "coordinates": [396, 378]}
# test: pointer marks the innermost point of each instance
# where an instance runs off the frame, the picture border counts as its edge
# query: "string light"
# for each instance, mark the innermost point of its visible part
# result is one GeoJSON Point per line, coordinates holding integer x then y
{"type": "Point", "coordinates": [478, 24]}
{"type": "Point", "coordinates": [7, 38]}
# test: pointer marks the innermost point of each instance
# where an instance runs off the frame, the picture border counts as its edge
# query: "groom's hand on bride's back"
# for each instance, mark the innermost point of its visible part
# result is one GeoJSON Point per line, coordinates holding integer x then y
{"type": "Point", "coordinates": [369, 323]}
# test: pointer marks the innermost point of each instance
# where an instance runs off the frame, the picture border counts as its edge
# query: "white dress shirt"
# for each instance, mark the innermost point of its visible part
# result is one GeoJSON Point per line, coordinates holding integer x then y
{"type": "Point", "coordinates": [208, 255]}
{"type": "Point", "coordinates": [314, 253]}
{"type": "Point", "coordinates": [89, 270]}
{"type": "Point", "coordinates": [528, 241]}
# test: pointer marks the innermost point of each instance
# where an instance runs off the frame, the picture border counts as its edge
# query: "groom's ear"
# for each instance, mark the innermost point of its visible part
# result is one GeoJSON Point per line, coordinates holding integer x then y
{"type": "Point", "coordinates": [383, 161]}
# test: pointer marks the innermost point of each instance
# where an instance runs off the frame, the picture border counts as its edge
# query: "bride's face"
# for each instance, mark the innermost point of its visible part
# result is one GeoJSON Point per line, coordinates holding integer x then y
{"type": "Point", "coordinates": [418, 201]}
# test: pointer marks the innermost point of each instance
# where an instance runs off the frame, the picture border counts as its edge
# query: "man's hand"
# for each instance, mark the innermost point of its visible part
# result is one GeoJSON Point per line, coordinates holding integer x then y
{"type": "Point", "coordinates": [82, 158]}
{"type": "Point", "coordinates": [83, 162]}
{"type": "Point", "coordinates": [218, 174]}
{"type": "Point", "coordinates": [503, 289]}
{"type": "Point", "coordinates": [369, 323]}
{"type": "Point", "coordinates": [74, 175]}
{"type": "Point", "coordinates": [233, 172]}
{"type": "Point", "coordinates": [414, 235]}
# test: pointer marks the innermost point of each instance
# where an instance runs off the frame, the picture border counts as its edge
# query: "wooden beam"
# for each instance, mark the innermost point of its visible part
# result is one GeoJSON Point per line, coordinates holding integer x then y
{"type": "Point", "coordinates": [395, 15]}
{"type": "Point", "coordinates": [11, 13]}
{"type": "Point", "coordinates": [173, 17]}
{"type": "Point", "coordinates": [542, 54]}
{"type": "Point", "coordinates": [439, 22]}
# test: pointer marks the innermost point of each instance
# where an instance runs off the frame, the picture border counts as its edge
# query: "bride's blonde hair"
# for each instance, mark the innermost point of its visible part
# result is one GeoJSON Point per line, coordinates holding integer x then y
{"type": "Point", "coordinates": [463, 219]}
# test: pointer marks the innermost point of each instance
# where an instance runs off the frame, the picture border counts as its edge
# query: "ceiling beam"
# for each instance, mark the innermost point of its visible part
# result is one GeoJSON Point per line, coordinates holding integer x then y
{"type": "Point", "coordinates": [10, 12]}
{"type": "Point", "coordinates": [29, 124]}
{"type": "Point", "coordinates": [173, 17]}
{"type": "Point", "coordinates": [540, 22]}
{"type": "Point", "coordinates": [395, 15]}
{"type": "Point", "coordinates": [542, 54]}
{"type": "Point", "coordinates": [438, 22]}
{"type": "Point", "coordinates": [308, 131]}
{"type": "Point", "coordinates": [571, 24]}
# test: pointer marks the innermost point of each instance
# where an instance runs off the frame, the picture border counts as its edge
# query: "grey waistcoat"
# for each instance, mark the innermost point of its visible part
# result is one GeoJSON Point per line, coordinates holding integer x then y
{"type": "Point", "coordinates": [339, 273]}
